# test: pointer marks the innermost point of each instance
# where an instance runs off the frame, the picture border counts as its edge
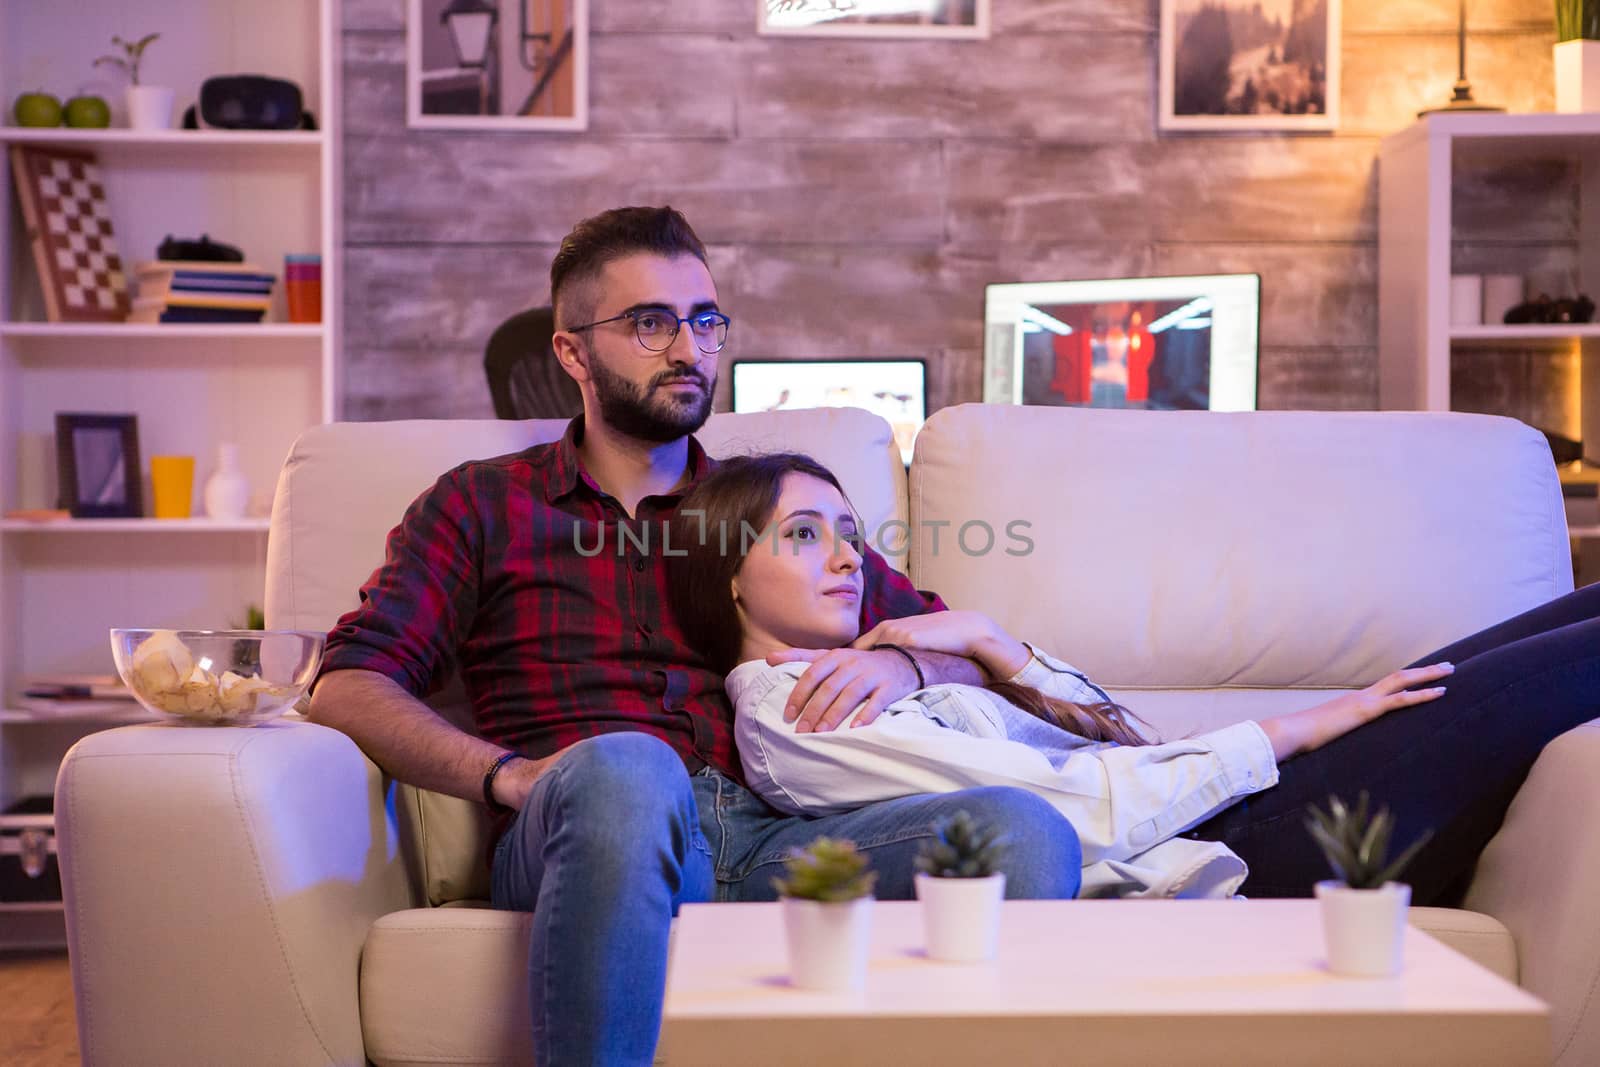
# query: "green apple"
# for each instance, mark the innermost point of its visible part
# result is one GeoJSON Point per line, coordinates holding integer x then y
{"type": "Point", "coordinates": [37, 109]}
{"type": "Point", "coordinates": [88, 112]}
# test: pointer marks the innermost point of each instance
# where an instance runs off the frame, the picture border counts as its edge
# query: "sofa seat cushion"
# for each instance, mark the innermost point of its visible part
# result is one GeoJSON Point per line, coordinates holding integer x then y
{"type": "Point", "coordinates": [1481, 938]}
{"type": "Point", "coordinates": [446, 985]}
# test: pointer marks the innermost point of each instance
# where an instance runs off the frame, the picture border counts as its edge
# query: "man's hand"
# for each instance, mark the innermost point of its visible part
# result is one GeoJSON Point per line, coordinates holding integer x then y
{"type": "Point", "coordinates": [843, 680]}
{"type": "Point", "coordinates": [513, 785]}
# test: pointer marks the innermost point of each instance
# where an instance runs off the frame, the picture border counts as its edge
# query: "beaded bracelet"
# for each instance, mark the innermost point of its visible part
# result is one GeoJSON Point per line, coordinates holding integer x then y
{"type": "Point", "coordinates": [922, 683]}
{"type": "Point", "coordinates": [488, 780]}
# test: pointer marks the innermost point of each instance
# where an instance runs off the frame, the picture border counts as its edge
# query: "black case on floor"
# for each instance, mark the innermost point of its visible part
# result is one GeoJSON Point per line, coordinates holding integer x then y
{"type": "Point", "coordinates": [29, 873]}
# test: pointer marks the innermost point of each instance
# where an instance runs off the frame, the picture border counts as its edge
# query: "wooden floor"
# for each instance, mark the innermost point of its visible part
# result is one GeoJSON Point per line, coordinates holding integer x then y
{"type": "Point", "coordinates": [37, 1024]}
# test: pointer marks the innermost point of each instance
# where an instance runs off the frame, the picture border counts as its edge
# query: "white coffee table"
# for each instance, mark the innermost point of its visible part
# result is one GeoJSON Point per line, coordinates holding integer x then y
{"type": "Point", "coordinates": [1101, 982]}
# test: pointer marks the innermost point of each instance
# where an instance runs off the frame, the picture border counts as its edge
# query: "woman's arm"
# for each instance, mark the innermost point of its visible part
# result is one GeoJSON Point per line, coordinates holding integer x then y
{"type": "Point", "coordinates": [1121, 800]}
{"type": "Point", "coordinates": [970, 634]}
{"type": "Point", "coordinates": [1302, 731]}
{"type": "Point", "coordinates": [976, 636]}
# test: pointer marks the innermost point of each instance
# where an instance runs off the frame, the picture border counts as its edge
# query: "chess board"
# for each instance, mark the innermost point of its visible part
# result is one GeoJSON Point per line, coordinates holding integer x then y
{"type": "Point", "coordinates": [64, 207]}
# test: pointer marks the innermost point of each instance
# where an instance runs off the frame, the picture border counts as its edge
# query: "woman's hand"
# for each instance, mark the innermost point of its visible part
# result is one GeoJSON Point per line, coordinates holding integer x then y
{"type": "Point", "coordinates": [1314, 727]}
{"type": "Point", "coordinates": [960, 633]}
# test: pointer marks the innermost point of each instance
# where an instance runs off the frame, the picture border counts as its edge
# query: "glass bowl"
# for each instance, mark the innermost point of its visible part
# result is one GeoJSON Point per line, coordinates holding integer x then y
{"type": "Point", "coordinates": [217, 677]}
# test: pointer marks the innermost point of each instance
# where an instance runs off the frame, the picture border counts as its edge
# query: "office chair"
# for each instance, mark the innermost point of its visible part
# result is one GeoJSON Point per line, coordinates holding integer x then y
{"type": "Point", "coordinates": [525, 382]}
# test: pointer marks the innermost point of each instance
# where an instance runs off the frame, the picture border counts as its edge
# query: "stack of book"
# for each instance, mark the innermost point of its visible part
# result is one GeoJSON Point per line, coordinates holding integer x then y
{"type": "Point", "coordinates": [185, 291]}
{"type": "Point", "coordinates": [73, 696]}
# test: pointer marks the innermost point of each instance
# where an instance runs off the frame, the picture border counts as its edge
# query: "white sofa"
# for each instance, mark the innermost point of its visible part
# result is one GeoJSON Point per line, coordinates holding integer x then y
{"type": "Point", "coordinates": [261, 895]}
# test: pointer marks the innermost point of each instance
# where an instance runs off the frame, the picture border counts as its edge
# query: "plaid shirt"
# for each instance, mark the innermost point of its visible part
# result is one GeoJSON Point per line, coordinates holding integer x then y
{"type": "Point", "coordinates": [488, 572]}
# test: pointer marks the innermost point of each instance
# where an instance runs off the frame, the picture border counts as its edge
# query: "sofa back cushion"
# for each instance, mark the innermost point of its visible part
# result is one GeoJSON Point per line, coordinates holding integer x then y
{"type": "Point", "coordinates": [345, 485]}
{"type": "Point", "coordinates": [1271, 549]}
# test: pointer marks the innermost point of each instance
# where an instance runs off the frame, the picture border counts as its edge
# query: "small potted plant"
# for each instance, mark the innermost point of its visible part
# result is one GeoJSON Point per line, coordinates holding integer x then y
{"type": "Point", "coordinates": [1363, 908]}
{"type": "Point", "coordinates": [961, 891]}
{"type": "Point", "coordinates": [149, 106]}
{"type": "Point", "coordinates": [826, 896]}
{"type": "Point", "coordinates": [1577, 55]}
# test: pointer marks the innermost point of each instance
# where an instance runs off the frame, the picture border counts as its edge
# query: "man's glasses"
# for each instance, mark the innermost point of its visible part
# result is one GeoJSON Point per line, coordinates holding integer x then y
{"type": "Point", "coordinates": [657, 328]}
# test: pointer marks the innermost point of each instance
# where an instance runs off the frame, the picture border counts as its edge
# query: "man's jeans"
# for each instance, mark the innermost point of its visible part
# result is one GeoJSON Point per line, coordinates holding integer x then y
{"type": "Point", "coordinates": [617, 835]}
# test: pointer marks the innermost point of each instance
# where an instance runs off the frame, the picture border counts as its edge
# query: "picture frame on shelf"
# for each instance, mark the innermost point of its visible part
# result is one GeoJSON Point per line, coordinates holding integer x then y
{"type": "Point", "coordinates": [97, 466]}
{"type": "Point", "coordinates": [1249, 65]}
{"type": "Point", "coordinates": [958, 19]}
{"type": "Point", "coordinates": [497, 64]}
{"type": "Point", "coordinates": [62, 193]}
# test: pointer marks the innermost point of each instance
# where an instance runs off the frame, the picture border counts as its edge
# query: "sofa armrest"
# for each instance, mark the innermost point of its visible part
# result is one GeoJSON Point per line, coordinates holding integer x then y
{"type": "Point", "coordinates": [1537, 876]}
{"type": "Point", "coordinates": [219, 885]}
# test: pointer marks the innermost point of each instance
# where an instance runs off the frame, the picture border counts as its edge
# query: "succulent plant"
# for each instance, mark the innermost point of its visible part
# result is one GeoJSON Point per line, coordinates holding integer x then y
{"type": "Point", "coordinates": [829, 870]}
{"type": "Point", "coordinates": [963, 848]}
{"type": "Point", "coordinates": [1357, 845]}
{"type": "Point", "coordinates": [1577, 19]}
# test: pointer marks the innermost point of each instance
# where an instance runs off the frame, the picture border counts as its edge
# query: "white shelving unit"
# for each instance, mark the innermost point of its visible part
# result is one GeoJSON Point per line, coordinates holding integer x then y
{"type": "Point", "coordinates": [64, 584]}
{"type": "Point", "coordinates": [1416, 185]}
{"type": "Point", "coordinates": [1417, 171]}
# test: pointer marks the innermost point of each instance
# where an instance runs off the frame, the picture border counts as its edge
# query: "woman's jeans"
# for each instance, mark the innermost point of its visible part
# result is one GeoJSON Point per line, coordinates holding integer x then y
{"type": "Point", "coordinates": [617, 835]}
{"type": "Point", "coordinates": [1451, 765]}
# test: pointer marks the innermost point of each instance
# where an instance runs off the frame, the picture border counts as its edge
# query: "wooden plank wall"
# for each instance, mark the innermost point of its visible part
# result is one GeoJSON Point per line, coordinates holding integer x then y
{"type": "Point", "coordinates": [858, 195]}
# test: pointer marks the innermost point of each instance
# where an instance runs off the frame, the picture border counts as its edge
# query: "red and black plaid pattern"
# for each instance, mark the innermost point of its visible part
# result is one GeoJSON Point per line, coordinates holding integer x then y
{"type": "Point", "coordinates": [495, 571]}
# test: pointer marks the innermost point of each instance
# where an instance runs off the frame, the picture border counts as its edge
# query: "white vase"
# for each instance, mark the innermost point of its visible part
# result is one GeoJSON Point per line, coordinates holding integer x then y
{"type": "Point", "coordinates": [961, 916]}
{"type": "Point", "coordinates": [1364, 929]}
{"type": "Point", "coordinates": [149, 107]}
{"type": "Point", "coordinates": [1578, 76]}
{"type": "Point", "coordinates": [227, 493]}
{"type": "Point", "coordinates": [828, 943]}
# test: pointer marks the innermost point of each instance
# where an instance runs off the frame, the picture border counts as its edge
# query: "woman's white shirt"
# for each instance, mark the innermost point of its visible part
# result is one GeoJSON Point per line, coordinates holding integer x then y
{"type": "Point", "coordinates": [1127, 803]}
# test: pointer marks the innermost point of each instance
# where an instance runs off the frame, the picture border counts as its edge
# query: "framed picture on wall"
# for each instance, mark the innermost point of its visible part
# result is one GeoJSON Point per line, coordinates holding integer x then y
{"type": "Point", "coordinates": [1249, 65]}
{"type": "Point", "coordinates": [497, 64]}
{"type": "Point", "coordinates": [97, 466]}
{"type": "Point", "coordinates": [874, 18]}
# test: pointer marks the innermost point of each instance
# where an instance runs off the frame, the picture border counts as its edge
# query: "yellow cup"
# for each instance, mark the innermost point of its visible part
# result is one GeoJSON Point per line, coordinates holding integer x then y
{"type": "Point", "coordinates": [172, 483]}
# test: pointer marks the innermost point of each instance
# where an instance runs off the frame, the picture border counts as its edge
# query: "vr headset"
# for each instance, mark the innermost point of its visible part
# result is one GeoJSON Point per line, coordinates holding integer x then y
{"type": "Point", "coordinates": [249, 102]}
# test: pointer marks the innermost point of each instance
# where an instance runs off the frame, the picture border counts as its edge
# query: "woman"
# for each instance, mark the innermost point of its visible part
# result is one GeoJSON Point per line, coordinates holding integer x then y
{"type": "Point", "coordinates": [1179, 818]}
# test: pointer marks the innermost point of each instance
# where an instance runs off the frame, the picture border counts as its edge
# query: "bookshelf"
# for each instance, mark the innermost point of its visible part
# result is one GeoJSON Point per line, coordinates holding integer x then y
{"type": "Point", "coordinates": [1418, 175]}
{"type": "Point", "coordinates": [1417, 172]}
{"type": "Point", "coordinates": [64, 584]}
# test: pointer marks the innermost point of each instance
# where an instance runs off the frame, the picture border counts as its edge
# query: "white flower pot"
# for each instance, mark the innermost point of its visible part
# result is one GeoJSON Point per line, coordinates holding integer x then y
{"type": "Point", "coordinates": [828, 943]}
{"type": "Point", "coordinates": [961, 916]}
{"type": "Point", "coordinates": [1578, 76]}
{"type": "Point", "coordinates": [149, 107]}
{"type": "Point", "coordinates": [1364, 928]}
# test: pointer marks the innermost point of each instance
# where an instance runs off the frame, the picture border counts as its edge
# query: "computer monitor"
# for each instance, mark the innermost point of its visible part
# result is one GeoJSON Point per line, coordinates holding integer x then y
{"type": "Point", "coordinates": [1157, 343]}
{"type": "Point", "coordinates": [893, 388]}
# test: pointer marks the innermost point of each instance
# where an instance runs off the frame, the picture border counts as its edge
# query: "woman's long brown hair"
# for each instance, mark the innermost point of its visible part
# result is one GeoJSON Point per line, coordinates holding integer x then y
{"type": "Point", "coordinates": [742, 492]}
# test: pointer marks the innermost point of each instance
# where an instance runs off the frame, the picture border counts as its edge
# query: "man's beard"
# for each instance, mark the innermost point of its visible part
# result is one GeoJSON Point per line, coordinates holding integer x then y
{"type": "Point", "coordinates": [639, 412]}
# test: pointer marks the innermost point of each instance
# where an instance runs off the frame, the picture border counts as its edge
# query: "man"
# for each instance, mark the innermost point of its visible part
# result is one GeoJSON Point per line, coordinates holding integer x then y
{"type": "Point", "coordinates": [607, 748]}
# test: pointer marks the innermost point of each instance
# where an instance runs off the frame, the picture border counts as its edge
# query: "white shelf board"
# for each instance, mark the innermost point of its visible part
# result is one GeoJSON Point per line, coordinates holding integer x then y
{"type": "Point", "coordinates": [30, 906]}
{"type": "Point", "coordinates": [162, 139]}
{"type": "Point", "coordinates": [1532, 126]}
{"type": "Point", "coordinates": [195, 331]}
{"type": "Point", "coordinates": [1555, 335]}
{"type": "Point", "coordinates": [1583, 531]}
{"type": "Point", "coordinates": [134, 714]}
{"type": "Point", "coordinates": [140, 526]}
